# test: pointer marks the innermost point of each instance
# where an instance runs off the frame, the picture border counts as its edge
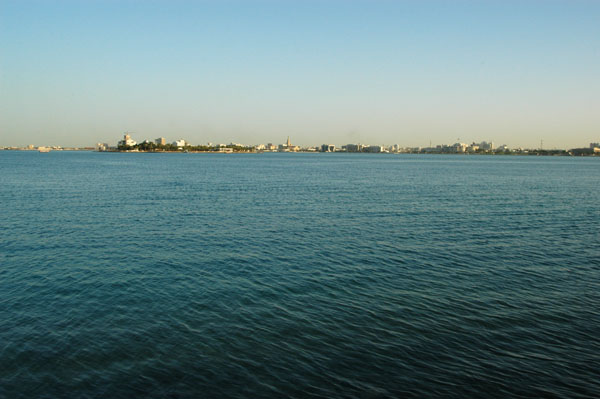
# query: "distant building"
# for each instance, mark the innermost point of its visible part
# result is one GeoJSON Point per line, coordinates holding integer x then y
{"type": "Point", "coordinates": [328, 148]}
{"type": "Point", "coordinates": [127, 141]}
{"type": "Point", "coordinates": [353, 147]}
{"type": "Point", "coordinates": [102, 147]}
{"type": "Point", "coordinates": [288, 147]}
{"type": "Point", "coordinates": [180, 143]}
{"type": "Point", "coordinates": [460, 147]}
{"type": "Point", "coordinates": [373, 148]}
{"type": "Point", "coordinates": [160, 141]}
{"type": "Point", "coordinates": [585, 151]}
{"type": "Point", "coordinates": [486, 146]}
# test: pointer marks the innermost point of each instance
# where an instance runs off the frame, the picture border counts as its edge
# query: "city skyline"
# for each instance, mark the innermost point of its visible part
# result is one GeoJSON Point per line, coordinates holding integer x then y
{"type": "Point", "coordinates": [129, 143]}
{"type": "Point", "coordinates": [517, 73]}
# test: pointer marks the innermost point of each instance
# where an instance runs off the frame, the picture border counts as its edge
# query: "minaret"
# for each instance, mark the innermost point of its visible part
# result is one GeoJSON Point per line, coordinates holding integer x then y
{"type": "Point", "coordinates": [289, 144]}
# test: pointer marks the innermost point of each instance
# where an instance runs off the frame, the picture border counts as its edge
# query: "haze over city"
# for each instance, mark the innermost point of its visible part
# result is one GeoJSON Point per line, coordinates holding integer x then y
{"type": "Point", "coordinates": [74, 73]}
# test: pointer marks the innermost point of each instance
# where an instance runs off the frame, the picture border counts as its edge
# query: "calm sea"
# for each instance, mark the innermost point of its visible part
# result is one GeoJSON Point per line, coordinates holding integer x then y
{"type": "Point", "coordinates": [298, 275]}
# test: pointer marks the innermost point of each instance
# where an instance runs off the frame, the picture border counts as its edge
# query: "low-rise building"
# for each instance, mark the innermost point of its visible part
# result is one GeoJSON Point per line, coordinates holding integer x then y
{"type": "Point", "coordinates": [484, 145]}
{"type": "Point", "coordinates": [288, 147]}
{"type": "Point", "coordinates": [460, 147]}
{"type": "Point", "coordinates": [373, 149]}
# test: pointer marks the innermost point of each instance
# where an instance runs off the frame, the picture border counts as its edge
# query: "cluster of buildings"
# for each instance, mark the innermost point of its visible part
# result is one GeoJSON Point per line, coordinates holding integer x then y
{"type": "Point", "coordinates": [128, 144]}
{"type": "Point", "coordinates": [454, 148]}
{"type": "Point", "coordinates": [593, 149]}
{"type": "Point", "coordinates": [458, 148]}
{"type": "Point", "coordinates": [287, 147]}
{"type": "Point", "coordinates": [161, 141]}
{"type": "Point", "coordinates": [161, 144]}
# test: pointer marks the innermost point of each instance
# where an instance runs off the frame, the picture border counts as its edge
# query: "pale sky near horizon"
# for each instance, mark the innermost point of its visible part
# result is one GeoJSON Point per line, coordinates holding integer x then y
{"type": "Point", "coordinates": [74, 73]}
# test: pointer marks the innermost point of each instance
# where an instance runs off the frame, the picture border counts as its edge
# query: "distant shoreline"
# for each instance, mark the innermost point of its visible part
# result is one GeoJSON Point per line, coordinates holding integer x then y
{"type": "Point", "coordinates": [583, 152]}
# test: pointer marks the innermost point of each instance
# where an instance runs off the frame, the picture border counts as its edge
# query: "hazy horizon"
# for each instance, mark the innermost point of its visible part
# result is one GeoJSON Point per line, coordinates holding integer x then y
{"type": "Point", "coordinates": [74, 73]}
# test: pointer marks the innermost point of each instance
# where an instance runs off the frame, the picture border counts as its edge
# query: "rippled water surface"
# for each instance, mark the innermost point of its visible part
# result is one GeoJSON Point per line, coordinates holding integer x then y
{"type": "Point", "coordinates": [298, 275]}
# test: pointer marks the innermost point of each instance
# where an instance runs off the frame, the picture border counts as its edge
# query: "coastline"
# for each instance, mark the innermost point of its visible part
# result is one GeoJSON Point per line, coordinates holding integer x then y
{"type": "Point", "coordinates": [552, 153]}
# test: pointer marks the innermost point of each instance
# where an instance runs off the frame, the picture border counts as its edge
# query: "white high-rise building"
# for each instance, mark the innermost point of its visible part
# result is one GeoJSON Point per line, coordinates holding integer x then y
{"type": "Point", "coordinates": [127, 141]}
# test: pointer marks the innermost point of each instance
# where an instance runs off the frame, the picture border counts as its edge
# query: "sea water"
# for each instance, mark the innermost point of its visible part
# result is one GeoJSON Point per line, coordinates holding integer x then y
{"type": "Point", "coordinates": [298, 275]}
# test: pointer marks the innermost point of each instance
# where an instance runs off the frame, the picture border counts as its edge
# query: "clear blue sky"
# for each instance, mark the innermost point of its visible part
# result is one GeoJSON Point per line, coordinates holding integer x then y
{"type": "Point", "coordinates": [405, 72]}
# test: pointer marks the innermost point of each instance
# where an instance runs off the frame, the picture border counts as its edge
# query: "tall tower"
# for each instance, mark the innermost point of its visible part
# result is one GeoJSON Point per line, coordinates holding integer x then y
{"type": "Point", "coordinates": [289, 144]}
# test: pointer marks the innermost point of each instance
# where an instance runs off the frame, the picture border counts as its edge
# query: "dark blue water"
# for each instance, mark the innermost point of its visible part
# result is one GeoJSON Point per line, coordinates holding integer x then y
{"type": "Point", "coordinates": [298, 275]}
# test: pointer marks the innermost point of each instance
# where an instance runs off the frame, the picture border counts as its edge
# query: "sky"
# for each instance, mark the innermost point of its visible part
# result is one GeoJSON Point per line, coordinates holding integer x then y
{"type": "Point", "coordinates": [74, 73]}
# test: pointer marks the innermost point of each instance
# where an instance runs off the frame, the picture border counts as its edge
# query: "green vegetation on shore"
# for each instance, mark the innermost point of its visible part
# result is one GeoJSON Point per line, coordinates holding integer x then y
{"type": "Point", "coordinates": [153, 147]}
